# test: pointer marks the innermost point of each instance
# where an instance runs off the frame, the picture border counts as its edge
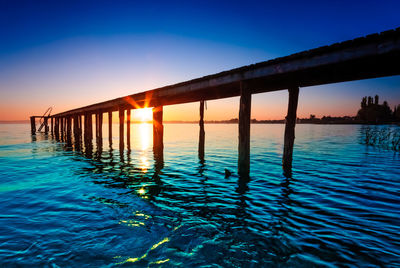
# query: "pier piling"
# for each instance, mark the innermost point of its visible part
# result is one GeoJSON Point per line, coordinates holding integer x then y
{"type": "Point", "coordinates": [88, 134]}
{"type": "Point", "coordinates": [99, 133]}
{"type": "Point", "coordinates": [80, 127]}
{"type": "Point", "coordinates": [128, 129]}
{"type": "Point", "coordinates": [76, 132]}
{"type": "Point", "coordinates": [290, 131]}
{"type": "Point", "coordinates": [46, 125]}
{"type": "Point", "coordinates": [201, 131]}
{"type": "Point", "coordinates": [56, 129]}
{"type": "Point", "coordinates": [62, 128]}
{"type": "Point", "coordinates": [52, 126]}
{"type": "Point", "coordinates": [110, 128]}
{"type": "Point", "coordinates": [99, 129]}
{"type": "Point", "coordinates": [33, 125]}
{"type": "Point", "coordinates": [85, 125]}
{"type": "Point", "coordinates": [158, 131]}
{"type": "Point", "coordinates": [69, 132]}
{"type": "Point", "coordinates": [121, 129]}
{"type": "Point", "coordinates": [244, 132]}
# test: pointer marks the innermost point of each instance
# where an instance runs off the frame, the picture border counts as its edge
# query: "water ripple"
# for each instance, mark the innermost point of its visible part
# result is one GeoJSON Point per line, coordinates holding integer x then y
{"type": "Point", "coordinates": [59, 208]}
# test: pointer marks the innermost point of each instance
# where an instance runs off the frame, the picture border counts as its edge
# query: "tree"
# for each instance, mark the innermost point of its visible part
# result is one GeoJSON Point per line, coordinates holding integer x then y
{"type": "Point", "coordinates": [375, 112]}
{"type": "Point", "coordinates": [369, 100]}
{"type": "Point", "coordinates": [364, 102]}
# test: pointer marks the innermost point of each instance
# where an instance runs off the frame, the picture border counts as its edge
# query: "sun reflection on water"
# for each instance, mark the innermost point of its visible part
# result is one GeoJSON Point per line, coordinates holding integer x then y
{"type": "Point", "coordinates": [144, 163]}
{"type": "Point", "coordinates": [165, 240]}
{"type": "Point", "coordinates": [144, 140]}
{"type": "Point", "coordinates": [144, 135]}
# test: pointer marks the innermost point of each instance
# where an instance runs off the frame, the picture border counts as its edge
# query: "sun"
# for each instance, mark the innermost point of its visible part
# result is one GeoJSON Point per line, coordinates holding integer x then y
{"type": "Point", "coordinates": [144, 114]}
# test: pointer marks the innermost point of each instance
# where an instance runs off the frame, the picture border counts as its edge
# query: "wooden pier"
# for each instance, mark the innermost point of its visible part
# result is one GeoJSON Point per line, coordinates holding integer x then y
{"type": "Point", "coordinates": [373, 56]}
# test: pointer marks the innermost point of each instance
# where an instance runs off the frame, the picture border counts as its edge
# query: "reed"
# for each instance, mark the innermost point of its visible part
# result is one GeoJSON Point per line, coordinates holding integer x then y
{"type": "Point", "coordinates": [383, 137]}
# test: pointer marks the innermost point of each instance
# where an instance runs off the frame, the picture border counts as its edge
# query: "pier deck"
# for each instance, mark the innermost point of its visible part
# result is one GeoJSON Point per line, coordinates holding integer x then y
{"type": "Point", "coordinates": [373, 56]}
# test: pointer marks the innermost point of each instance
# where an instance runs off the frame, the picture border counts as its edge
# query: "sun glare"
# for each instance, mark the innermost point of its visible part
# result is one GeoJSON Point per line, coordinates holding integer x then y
{"type": "Point", "coordinates": [144, 114]}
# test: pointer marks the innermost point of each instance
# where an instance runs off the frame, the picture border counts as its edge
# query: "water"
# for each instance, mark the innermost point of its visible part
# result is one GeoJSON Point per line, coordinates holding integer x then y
{"type": "Point", "coordinates": [340, 208]}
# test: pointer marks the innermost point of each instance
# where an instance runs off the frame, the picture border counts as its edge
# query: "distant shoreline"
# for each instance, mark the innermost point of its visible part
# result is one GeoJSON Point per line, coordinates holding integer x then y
{"type": "Point", "coordinates": [270, 122]}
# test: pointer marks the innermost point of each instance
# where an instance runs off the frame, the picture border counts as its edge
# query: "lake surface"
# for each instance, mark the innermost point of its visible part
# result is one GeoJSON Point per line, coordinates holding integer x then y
{"type": "Point", "coordinates": [340, 208]}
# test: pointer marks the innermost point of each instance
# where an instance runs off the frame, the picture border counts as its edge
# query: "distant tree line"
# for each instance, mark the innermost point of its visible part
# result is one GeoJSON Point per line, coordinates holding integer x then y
{"type": "Point", "coordinates": [373, 112]}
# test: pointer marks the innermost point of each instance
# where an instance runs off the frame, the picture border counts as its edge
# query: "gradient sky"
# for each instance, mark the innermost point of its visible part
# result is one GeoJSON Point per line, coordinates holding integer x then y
{"type": "Point", "coordinates": [75, 53]}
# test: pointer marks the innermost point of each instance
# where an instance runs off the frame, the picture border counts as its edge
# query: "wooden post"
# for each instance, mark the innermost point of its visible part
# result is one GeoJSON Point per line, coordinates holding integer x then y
{"type": "Point", "coordinates": [97, 125]}
{"type": "Point", "coordinates": [85, 125]}
{"type": "Point", "coordinates": [99, 134]}
{"type": "Point", "coordinates": [65, 128]}
{"type": "Point", "coordinates": [52, 126]}
{"type": "Point", "coordinates": [128, 128]}
{"type": "Point", "coordinates": [62, 128]}
{"type": "Point", "coordinates": [101, 127]}
{"type": "Point", "coordinates": [121, 129]}
{"type": "Point", "coordinates": [46, 125]}
{"type": "Point", "coordinates": [69, 132]}
{"type": "Point", "coordinates": [76, 132]}
{"type": "Point", "coordinates": [244, 131]}
{"type": "Point", "coordinates": [289, 131]}
{"type": "Point", "coordinates": [110, 128]}
{"type": "Point", "coordinates": [202, 132]}
{"type": "Point", "coordinates": [90, 128]}
{"type": "Point", "coordinates": [80, 125]}
{"type": "Point", "coordinates": [158, 132]}
{"type": "Point", "coordinates": [88, 135]}
{"type": "Point", "coordinates": [56, 129]}
{"type": "Point", "coordinates": [33, 125]}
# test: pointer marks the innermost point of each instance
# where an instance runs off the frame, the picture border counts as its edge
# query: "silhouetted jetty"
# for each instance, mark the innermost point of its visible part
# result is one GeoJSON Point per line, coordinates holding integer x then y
{"type": "Point", "coordinates": [375, 55]}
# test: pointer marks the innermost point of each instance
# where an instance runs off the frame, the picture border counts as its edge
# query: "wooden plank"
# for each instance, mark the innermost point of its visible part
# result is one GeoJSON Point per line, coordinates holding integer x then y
{"type": "Point", "coordinates": [290, 131]}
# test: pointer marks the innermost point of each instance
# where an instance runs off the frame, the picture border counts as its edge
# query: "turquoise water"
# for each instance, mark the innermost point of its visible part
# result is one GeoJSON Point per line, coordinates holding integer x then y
{"type": "Point", "coordinates": [340, 208]}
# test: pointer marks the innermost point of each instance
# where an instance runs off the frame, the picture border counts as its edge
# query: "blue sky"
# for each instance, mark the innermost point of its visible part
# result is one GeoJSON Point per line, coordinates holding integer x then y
{"type": "Point", "coordinates": [74, 53]}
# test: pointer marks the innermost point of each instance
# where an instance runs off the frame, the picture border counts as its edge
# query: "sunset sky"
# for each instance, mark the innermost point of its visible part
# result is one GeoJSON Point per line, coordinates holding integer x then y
{"type": "Point", "coordinates": [75, 53]}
